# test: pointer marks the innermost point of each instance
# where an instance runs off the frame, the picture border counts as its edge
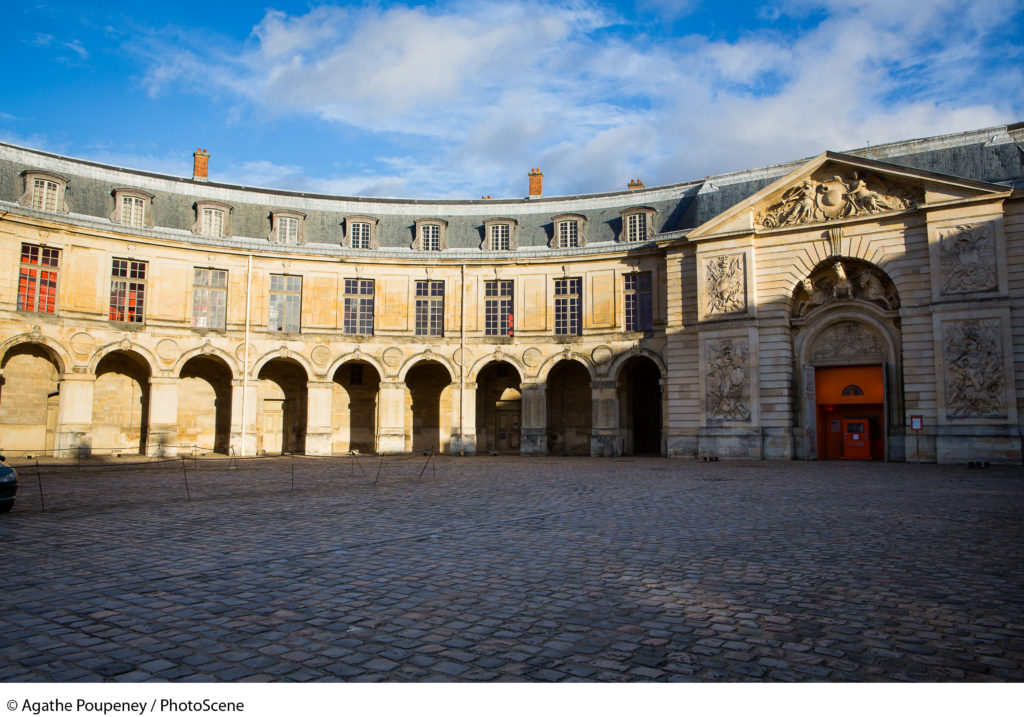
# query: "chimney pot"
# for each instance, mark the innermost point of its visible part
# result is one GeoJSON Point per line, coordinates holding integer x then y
{"type": "Point", "coordinates": [635, 184]}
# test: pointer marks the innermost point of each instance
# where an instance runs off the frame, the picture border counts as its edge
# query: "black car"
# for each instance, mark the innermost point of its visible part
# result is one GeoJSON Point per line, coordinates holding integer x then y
{"type": "Point", "coordinates": [8, 486]}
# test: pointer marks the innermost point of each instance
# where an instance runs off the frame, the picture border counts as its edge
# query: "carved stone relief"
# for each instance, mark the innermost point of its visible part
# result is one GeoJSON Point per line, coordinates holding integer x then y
{"type": "Point", "coordinates": [837, 197]}
{"type": "Point", "coordinates": [725, 286]}
{"type": "Point", "coordinates": [967, 257]}
{"type": "Point", "coordinates": [728, 380]}
{"type": "Point", "coordinates": [848, 340]}
{"type": "Point", "coordinates": [975, 384]}
{"type": "Point", "coordinates": [844, 279]}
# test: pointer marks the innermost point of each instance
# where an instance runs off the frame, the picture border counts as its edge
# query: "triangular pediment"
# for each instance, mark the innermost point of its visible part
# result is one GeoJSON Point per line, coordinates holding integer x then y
{"type": "Point", "coordinates": [835, 187]}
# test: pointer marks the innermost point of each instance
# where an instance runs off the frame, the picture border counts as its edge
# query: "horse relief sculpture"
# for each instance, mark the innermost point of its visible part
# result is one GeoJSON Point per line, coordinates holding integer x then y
{"type": "Point", "coordinates": [841, 280]}
{"type": "Point", "coordinates": [834, 198]}
{"type": "Point", "coordinates": [724, 284]}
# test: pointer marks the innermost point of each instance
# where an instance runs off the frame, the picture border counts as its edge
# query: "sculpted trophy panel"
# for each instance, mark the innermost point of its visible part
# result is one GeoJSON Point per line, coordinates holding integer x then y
{"type": "Point", "coordinates": [967, 259]}
{"type": "Point", "coordinates": [725, 284]}
{"type": "Point", "coordinates": [728, 380]}
{"type": "Point", "coordinates": [975, 381]}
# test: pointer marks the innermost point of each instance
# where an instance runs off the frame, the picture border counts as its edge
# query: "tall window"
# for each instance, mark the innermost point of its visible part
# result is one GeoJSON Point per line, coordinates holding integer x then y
{"type": "Point", "coordinates": [499, 237]}
{"type": "Point", "coordinates": [636, 227]}
{"type": "Point", "coordinates": [288, 230]}
{"type": "Point", "coordinates": [133, 211]}
{"type": "Point", "coordinates": [430, 308]}
{"type": "Point", "coordinates": [568, 306]}
{"type": "Point", "coordinates": [285, 302]}
{"type": "Point", "coordinates": [361, 235]}
{"type": "Point", "coordinates": [37, 280]}
{"type": "Point", "coordinates": [212, 222]}
{"type": "Point", "coordinates": [498, 318]}
{"type": "Point", "coordinates": [44, 195]}
{"type": "Point", "coordinates": [209, 298]}
{"type": "Point", "coordinates": [639, 312]}
{"type": "Point", "coordinates": [358, 311]}
{"type": "Point", "coordinates": [431, 237]}
{"type": "Point", "coordinates": [128, 291]}
{"type": "Point", "coordinates": [568, 233]}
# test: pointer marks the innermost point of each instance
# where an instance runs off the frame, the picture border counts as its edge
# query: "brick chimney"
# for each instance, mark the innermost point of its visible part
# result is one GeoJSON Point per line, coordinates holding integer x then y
{"type": "Point", "coordinates": [634, 184]}
{"type": "Point", "coordinates": [201, 164]}
{"type": "Point", "coordinates": [536, 183]}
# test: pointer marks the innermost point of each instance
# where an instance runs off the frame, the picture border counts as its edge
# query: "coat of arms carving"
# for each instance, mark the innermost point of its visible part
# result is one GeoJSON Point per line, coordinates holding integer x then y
{"type": "Point", "coordinates": [837, 197]}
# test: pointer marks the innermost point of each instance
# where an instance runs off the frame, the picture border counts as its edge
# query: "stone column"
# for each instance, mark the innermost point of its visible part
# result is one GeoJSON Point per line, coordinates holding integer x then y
{"type": "Point", "coordinates": [74, 415]}
{"type": "Point", "coordinates": [163, 416]}
{"type": "Point", "coordinates": [534, 440]}
{"type": "Point", "coordinates": [318, 418]}
{"type": "Point", "coordinates": [604, 432]}
{"type": "Point", "coordinates": [252, 397]}
{"type": "Point", "coordinates": [464, 441]}
{"type": "Point", "coordinates": [391, 417]}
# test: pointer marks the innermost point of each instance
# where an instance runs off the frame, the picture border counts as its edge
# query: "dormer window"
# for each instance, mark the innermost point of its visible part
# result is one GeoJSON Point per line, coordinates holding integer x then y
{"type": "Point", "coordinates": [212, 219]}
{"type": "Point", "coordinates": [360, 233]}
{"type": "Point", "coordinates": [500, 235]}
{"type": "Point", "coordinates": [431, 235]}
{"type": "Point", "coordinates": [287, 228]}
{"type": "Point", "coordinates": [568, 233]}
{"type": "Point", "coordinates": [44, 191]}
{"type": "Point", "coordinates": [132, 208]}
{"type": "Point", "coordinates": [637, 224]}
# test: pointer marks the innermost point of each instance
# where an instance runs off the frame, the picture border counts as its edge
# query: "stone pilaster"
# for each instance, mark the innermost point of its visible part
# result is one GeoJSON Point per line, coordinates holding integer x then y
{"type": "Point", "coordinates": [604, 432]}
{"type": "Point", "coordinates": [318, 418]}
{"type": "Point", "coordinates": [534, 440]}
{"type": "Point", "coordinates": [74, 415]}
{"type": "Point", "coordinates": [163, 416]}
{"type": "Point", "coordinates": [248, 446]}
{"type": "Point", "coordinates": [391, 432]}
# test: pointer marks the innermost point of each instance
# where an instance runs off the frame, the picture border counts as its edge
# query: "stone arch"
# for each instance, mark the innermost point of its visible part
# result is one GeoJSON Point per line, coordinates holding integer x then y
{"type": "Point", "coordinates": [57, 353]}
{"type": "Point", "coordinates": [127, 347]}
{"type": "Point", "coordinates": [121, 397]}
{"type": "Point", "coordinates": [552, 361]}
{"type": "Point", "coordinates": [569, 407]}
{"type": "Point", "coordinates": [29, 398]}
{"type": "Point", "coordinates": [355, 399]}
{"type": "Point", "coordinates": [427, 355]}
{"type": "Point", "coordinates": [287, 355]}
{"type": "Point", "coordinates": [840, 279]}
{"type": "Point", "coordinates": [204, 402]}
{"type": "Point", "coordinates": [226, 358]}
{"type": "Point", "coordinates": [638, 383]}
{"type": "Point", "coordinates": [485, 361]}
{"type": "Point", "coordinates": [357, 356]}
{"type": "Point", "coordinates": [637, 351]}
{"type": "Point", "coordinates": [429, 398]}
{"type": "Point", "coordinates": [282, 385]}
{"type": "Point", "coordinates": [498, 406]}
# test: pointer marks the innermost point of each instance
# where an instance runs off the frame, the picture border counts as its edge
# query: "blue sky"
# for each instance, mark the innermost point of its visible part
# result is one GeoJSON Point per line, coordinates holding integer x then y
{"type": "Point", "coordinates": [460, 99]}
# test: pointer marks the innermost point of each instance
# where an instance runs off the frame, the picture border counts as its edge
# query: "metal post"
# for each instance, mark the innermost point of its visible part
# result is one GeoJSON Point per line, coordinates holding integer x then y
{"type": "Point", "coordinates": [293, 471]}
{"type": "Point", "coordinates": [184, 473]}
{"type": "Point", "coordinates": [39, 481]}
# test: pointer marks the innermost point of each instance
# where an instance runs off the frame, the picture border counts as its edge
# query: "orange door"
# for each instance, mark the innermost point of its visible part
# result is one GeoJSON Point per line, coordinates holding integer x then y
{"type": "Point", "coordinates": [856, 440]}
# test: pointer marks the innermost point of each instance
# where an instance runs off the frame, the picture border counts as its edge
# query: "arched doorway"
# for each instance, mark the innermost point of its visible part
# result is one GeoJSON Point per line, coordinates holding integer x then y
{"type": "Point", "coordinates": [570, 409]}
{"type": "Point", "coordinates": [28, 400]}
{"type": "Point", "coordinates": [428, 407]}
{"type": "Point", "coordinates": [498, 409]}
{"type": "Point", "coordinates": [120, 407]}
{"type": "Point", "coordinates": [640, 406]}
{"type": "Point", "coordinates": [282, 407]}
{"type": "Point", "coordinates": [204, 405]}
{"type": "Point", "coordinates": [845, 316]}
{"type": "Point", "coordinates": [354, 395]}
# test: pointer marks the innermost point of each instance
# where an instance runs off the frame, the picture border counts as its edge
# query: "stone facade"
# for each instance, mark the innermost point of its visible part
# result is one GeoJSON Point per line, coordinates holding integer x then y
{"type": "Point", "coordinates": [149, 314]}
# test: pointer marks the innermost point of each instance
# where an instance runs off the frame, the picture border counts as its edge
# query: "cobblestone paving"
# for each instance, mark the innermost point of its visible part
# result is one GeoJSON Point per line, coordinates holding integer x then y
{"type": "Point", "coordinates": [499, 569]}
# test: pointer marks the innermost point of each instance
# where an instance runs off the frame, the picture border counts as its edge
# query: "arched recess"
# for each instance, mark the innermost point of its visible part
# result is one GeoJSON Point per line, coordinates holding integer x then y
{"type": "Point", "coordinates": [282, 354]}
{"type": "Point", "coordinates": [498, 408]}
{"type": "Point", "coordinates": [549, 363]}
{"type": "Point", "coordinates": [120, 405]}
{"type": "Point", "coordinates": [426, 357]}
{"type": "Point", "coordinates": [569, 408]}
{"type": "Point", "coordinates": [429, 394]}
{"type": "Point", "coordinates": [640, 405]}
{"type": "Point", "coordinates": [225, 358]}
{"type": "Point", "coordinates": [282, 408]}
{"type": "Point", "coordinates": [847, 349]}
{"type": "Point", "coordinates": [489, 360]}
{"type": "Point", "coordinates": [29, 400]}
{"type": "Point", "coordinates": [354, 402]}
{"type": "Point", "coordinates": [204, 404]}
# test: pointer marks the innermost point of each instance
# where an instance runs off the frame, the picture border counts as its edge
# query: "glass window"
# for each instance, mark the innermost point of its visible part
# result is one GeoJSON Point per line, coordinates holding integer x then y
{"type": "Point", "coordinates": [569, 306]}
{"type": "Point", "coordinates": [430, 308]}
{"type": "Point", "coordinates": [636, 227]}
{"type": "Point", "coordinates": [288, 230]}
{"type": "Point", "coordinates": [568, 233]}
{"type": "Point", "coordinates": [44, 195]}
{"type": "Point", "coordinates": [639, 311]}
{"type": "Point", "coordinates": [498, 317]}
{"type": "Point", "coordinates": [431, 237]}
{"type": "Point", "coordinates": [500, 237]}
{"type": "Point", "coordinates": [209, 298]}
{"type": "Point", "coordinates": [133, 211]}
{"type": "Point", "coordinates": [212, 222]}
{"type": "Point", "coordinates": [37, 279]}
{"type": "Point", "coordinates": [358, 307]}
{"type": "Point", "coordinates": [360, 235]}
{"type": "Point", "coordinates": [128, 290]}
{"type": "Point", "coordinates": [285, 302]}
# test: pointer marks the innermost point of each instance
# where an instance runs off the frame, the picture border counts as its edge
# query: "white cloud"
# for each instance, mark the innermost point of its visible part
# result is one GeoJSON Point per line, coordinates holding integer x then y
{"type": "Point", "coordinates": [489, 90]}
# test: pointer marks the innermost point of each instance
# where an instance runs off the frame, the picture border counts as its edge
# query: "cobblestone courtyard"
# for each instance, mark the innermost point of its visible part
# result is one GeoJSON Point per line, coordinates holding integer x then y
{"type": "Point", "coordinates": [497, 569]}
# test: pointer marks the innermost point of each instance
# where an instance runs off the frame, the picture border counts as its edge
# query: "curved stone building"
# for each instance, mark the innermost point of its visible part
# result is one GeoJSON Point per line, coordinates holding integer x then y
{"type": "Point", "coordinates": [859, 305]}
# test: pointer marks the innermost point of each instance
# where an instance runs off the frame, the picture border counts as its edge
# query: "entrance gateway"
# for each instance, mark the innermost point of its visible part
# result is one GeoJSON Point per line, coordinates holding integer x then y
{"type": "Point", "coordinates": [850, 409]}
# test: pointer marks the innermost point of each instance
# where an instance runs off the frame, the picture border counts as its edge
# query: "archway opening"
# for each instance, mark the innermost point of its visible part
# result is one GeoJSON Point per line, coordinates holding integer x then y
{"type": "Point", "coordinates": [570, 409]}
{"type": "Point", "coordinates": [850, 412]}
{"type": "Point", "coordinates": [498, 408]}
{"type": "Point", "coordinates": [29, 400]}
{"type": "Point", "coordinates": [354, 395]}
{"type": "Point", "coordinates": [282, 407]}
{"type": "Point", "coordinates": [204, 405]}
{"type": "Point", "coordinates": [428, 407]}
{"type": "Point", "coordinates": [640, 407]}
{"type": "Point", "coordinates": [120, 406]}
